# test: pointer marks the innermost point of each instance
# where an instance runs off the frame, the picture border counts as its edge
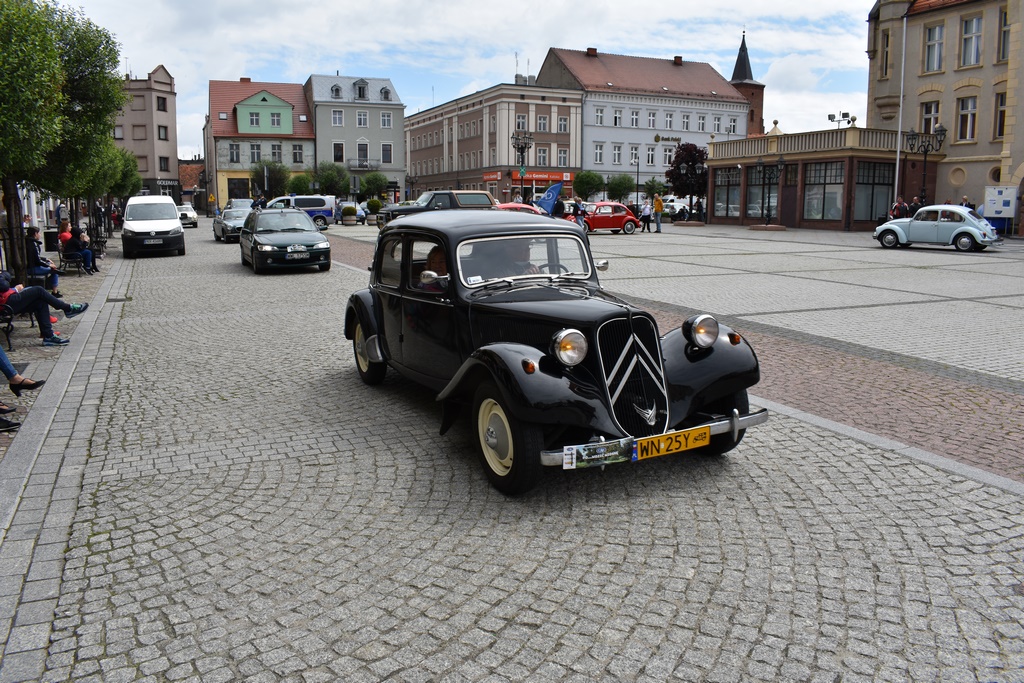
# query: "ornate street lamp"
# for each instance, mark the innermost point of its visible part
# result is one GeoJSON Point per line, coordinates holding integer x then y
{"type": "Point", "coordinates": [522, 142]}
{"type": "Point", "coordinates": [769, 176]}
{"type": "Point", "coordinates": [922, 143]}
{"type": "Point", "coordinates": [411, 179]}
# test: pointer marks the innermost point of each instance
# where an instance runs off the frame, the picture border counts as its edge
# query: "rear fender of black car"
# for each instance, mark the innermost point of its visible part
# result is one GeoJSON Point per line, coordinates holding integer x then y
{"type": "Point", "coordinates": [546, 395]}
{"type": "Point", "coordinates": [697, 378]}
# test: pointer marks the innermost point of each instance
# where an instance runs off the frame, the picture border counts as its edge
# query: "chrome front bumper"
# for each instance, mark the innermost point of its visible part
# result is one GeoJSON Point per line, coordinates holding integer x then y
{"type": "Point", "coordinates": [622, 450]}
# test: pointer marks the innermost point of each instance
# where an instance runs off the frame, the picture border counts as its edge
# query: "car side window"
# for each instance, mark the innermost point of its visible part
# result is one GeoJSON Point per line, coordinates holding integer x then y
{"type": "Point", "coordinates": [441, 202]}
{"type": "Point", "coordinates": [426, 254]}
{"type": "Point", "coordinates": [927, 216]}
{"type": "Point", "coordinates": [391, 262]}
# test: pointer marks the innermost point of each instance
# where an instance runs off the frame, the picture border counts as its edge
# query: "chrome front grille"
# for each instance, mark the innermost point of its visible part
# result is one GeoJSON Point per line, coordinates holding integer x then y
{"type": "Point", "coordinates": [630, 356]}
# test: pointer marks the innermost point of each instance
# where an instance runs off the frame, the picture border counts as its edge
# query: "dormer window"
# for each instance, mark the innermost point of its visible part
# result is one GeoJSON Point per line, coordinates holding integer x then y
{"type": "Point", "coordinates": [360, 86]}
{"type": "Point", "coordinates": [336, 92]}
{"type": "Point", "coordinates": [385, 94]}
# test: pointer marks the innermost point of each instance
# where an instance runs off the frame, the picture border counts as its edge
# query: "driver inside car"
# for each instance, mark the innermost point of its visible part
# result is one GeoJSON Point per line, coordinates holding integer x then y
{"type": "Point", "coordinates": [517, 253]}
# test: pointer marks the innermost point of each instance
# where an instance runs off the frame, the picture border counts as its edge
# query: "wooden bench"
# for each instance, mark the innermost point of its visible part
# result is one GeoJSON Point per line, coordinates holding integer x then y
{"type": "Point", "coordinates": [69, 260]}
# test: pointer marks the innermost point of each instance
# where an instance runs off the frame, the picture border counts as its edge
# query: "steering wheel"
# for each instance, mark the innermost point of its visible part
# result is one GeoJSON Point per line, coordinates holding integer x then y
{"type": "Point", "coordinates": [553, 267]}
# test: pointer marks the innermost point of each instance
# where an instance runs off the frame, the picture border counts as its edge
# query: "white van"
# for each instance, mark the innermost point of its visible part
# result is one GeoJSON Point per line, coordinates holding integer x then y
{"type": "Point", "coordinates": [320, 207]}
{"type": "Point", "coordinates": [151, 223]}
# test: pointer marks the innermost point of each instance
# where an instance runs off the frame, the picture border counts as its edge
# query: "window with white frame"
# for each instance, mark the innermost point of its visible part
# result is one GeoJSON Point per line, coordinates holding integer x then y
{"type": "Point", "coordinates": [520, 121]}
{"type": "Point", "coordinates": [701, 123]}
{"type": "Point", "coordinates": [668, 120]}
{"type": "Point", "coordinates": [296, 154]}
{"type": "Point", "coordinates": [599, 116]}
{"type": "Point", "coordinates": [634, 118]}
{"type": "Point", "coordinates": [652, 119]}
{"type": "Point", "coordinates": [542, 156]}
{"type": "Point", "coordinates": [255, 152]}
{"type": "Point", "coordinates": [933, 37]}
{"type": "Point", "coordinates": [616, 154]}
{"type": "Point", "coordinates": [617, 118]}
{"type": "Point", "coordinates": [684, 122]}
{"type": "Point", "coordinates": [234, 153]}
{"type": "Point", "coordinates": [970, 41]}
{"type": "Point", "coordinates": [275, 119]}
{"type": "Point", "coordinates": [542, 124]}
{"type": "Point", "coordinates": [634, 155]}
{"type": "Point", "coordinates": [929, 116]}
{"type": "Point", "coordinates": [385, 119]}
{"type": "Point", "coordinates": [362, 119]}
{"type": "Point", "coordinates": [967, 112]}
{"type": "Point", "coordinates": [650, 156]}
{"type": "Point", "coordinates": [337, 117]}
{"type": "Point", "coordinates": [883, 66]}
{"type": "Point", "coordinates": [563, 158]}
{"type": "Point", "coordinates": [1000, 124]}
{"type": "Point", "coordinates": [667, 154]}
{"type": "Point", "coordinates": [254, 119]}
{"type": "Point", "coordinates": [598, 153]}
{"type": "Point", "coordinates": [563, 124]}
{"type": "Point", "coordinates": [275, 152]}
{"type": "Point", "coordinates": [1003, 50]}
{"type": "Point", "coordinates": [716, 124]}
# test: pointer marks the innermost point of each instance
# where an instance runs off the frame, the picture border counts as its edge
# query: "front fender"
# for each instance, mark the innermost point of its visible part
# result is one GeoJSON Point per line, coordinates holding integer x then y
{"type": "Point", "coordinates": [361, 308]}
{"type": "Point", "coordinates": [551, 394]}
{"type": "Point", "coordinates": [697, 378]}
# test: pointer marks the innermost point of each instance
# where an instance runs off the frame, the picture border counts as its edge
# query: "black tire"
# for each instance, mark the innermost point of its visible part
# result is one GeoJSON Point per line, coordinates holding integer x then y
{"type": "Point", "coordinates": [964, 242]}
{"type": "Point", "coordinates": [371, 373]}
{"type": "Point", "coordinates": [629, 227]}
{"type": "Point", "coordinates": [509, 449]}
{"type": "Point", "coordinates": [723, 443]}
{"type": "Point", "coordinates": [324, 266]}
{"type": "Point", "coordinates": [244, 262]}
{"type": "Point", "coordinates": [216, 237]}
{"type": "Point", "coordinates": [320, 222]}
{"type": "Point", "coordinates": [889, 239]}
{"type": "Point", "coordinates": [181, 252]}
{"type": "Point", "coordinates": [980, 247]}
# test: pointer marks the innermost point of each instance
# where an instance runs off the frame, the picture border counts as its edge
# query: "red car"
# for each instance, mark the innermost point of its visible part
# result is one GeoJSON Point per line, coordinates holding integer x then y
{"type": "Point", "coordinates": [610, 216]}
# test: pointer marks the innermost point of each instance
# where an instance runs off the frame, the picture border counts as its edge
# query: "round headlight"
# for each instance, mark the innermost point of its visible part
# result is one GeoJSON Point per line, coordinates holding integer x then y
{"type": "Point", "coordinates": [569, 346]}
{"type": "Point", "coordinates": [701, 330]}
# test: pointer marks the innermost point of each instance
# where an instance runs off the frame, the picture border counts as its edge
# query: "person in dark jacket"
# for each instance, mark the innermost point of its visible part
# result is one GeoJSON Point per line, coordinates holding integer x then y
{"type": "Point", "coordinates": [37, 264]}
{"type": "Point", "coordinates": [79, 244]}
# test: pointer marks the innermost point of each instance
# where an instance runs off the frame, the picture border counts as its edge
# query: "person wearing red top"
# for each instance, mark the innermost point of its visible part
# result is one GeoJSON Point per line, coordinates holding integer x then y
{"type": "Point", "coordinates": [65, 232]}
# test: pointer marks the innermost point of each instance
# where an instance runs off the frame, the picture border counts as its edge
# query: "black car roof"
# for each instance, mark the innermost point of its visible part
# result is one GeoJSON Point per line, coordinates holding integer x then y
{"type": "Point", "coordinates": [460, 224]}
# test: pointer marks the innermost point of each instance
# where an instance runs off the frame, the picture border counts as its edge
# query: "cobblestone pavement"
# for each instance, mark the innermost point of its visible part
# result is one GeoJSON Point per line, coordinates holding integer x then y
{"type": "Point", "coordinates": [213, 495]}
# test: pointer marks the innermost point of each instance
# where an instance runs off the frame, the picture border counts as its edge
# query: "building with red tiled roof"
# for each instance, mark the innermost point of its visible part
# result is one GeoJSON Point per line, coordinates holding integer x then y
{"type": "Point", "coordinates": [638, 109]}
{"type": "Point", "coordinates": [961, 70]}
{"type": "Point", "coordinates": [249, 122]}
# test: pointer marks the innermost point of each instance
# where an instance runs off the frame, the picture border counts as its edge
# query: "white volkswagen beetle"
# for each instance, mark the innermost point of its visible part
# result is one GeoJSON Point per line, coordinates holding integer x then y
{"type": "Point", "coordinates": [946, 224]}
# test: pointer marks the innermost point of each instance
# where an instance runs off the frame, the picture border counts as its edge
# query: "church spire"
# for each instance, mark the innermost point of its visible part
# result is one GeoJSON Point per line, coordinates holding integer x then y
{"type": "Point", "coordinates": [742, 72]}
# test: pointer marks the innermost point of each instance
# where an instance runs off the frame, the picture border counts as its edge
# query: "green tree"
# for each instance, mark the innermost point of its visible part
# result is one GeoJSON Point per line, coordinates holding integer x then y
{"type": "Point", "coordinates": [587, 184]}
{"type": "Point", "coordinates": [688, 174]}
{"type": "Point", "coordinates": [270, 177]}
{"type": "Point", "coordinates": [299, 184]}
{"type": "Point", "coordinates": [373, 184]}
{"type": "Point", "coordinates": [128, 181]}
{"type": "Point", "coordinates": [332, 177]}
{"type": "Point", "coordinates": [654, 186]}
{"type": "Point", "coordinates": [620, 187]}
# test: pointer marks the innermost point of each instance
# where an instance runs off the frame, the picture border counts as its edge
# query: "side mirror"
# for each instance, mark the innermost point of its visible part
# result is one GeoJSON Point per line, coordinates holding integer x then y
{"type": "Point", "coordinates": [429, 277]}
{"type": "Point", "coordinates": [601, 265]}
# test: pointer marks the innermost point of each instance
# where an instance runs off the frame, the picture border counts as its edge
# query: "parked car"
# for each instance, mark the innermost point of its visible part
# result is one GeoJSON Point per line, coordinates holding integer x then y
{"type": "Point", "coordinates": [610, 216]}
{"type": "Point", "coordinates": [239, 203]}
{"type": "Point", "coordinates": [441, 199]}
{"type": "Point", "coordinates": [360, 212]}
{"type": "Point", "coordinates": [273, 239]}
{"type": "Point", "coordinates": [151, 223]}
{"type": "Point", "coordinates": [319, 207]}
{"type": "Point", "coordinates": [556, 371]}
{"type": "Point", "coordinates": [228, 224]}
{"type": "Point", "coordinates": [188, 216]}
{"type": "Point", "coordinates": [960, 226]}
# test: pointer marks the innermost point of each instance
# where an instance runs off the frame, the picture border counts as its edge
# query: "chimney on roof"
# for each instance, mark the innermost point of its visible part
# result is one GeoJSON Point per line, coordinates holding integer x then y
{"type": "Point", "coordinates": [591, 51]}
{"type": "Point", "coordinates": [245, 80]}
{"type": "Point", "coordinates": [677, 60]}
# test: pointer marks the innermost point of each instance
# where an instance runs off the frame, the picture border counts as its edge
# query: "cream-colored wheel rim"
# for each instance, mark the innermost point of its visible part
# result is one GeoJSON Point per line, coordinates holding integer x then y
{"type": "Point", "coordinates": [495, 436]}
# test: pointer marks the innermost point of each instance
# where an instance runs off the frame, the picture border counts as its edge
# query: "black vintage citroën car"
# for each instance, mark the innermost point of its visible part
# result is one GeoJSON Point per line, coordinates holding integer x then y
{"type": "Point", "coordinates": [503, 312]}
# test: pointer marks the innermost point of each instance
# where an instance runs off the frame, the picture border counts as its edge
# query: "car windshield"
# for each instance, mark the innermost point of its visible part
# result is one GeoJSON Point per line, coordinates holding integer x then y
{"type": "Point", "coordinates": [235, 214]}
{"type": "Point", "coordinates": [280, 222]}
{"type": "Point", "coordinates": [423, 199]}
{"type": "Point", "coordinates": [517, 256]}
{"type": "Point", "coordinates": [150, 212]}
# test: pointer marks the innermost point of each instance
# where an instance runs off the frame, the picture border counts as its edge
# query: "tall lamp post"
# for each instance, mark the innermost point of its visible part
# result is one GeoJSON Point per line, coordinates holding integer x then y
{"type": "Point", "coordinates": [769, 176]}
{"type": "Point", "coordinates": [638, 177]}
{"type": "Point", "coordinates": [522, 142]}
{"type": "Point", "coordinates": [411, 179]}
{"type": "Point", "coordinates": [922, 143]}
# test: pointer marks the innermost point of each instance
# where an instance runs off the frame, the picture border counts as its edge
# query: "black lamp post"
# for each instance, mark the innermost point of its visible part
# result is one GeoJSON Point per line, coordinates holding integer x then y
{"type": "Point", "coordinates": [411, 179]}
{"type": "Point", "coordinates": [769, 176]}
{"type": "Point", "coordinates": [638, 177]}
{"type": "Point", "coordinates": [692, 173]}
{"type": "Point", "coordinates": [521, 142]}
{"type": "Point", "coordinates": [922, 143]}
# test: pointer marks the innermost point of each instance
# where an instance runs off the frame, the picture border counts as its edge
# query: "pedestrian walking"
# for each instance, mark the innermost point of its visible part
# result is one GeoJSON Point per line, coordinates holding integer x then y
{"type": "Point", "coordinates": [659, 207]}
{"type": "Point", "coordinates": [581, 213]}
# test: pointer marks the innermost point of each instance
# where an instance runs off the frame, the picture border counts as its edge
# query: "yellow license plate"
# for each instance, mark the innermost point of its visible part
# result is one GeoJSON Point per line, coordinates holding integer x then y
{"type": "Point", "coordinates": [672, 442]}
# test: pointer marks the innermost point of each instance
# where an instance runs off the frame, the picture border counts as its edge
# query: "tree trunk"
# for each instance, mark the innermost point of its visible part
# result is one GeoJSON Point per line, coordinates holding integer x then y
{"type": "Point", "coordinates": [13, 234]}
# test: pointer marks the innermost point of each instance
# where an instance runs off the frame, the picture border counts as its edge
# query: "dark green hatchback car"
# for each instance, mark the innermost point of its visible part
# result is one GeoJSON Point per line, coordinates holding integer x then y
{"type": "Point", "coordinates": [273, 239]}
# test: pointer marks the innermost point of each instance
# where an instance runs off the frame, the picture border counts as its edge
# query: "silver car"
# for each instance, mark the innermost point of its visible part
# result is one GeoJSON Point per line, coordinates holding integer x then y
{"type": "Point", "coordinates": [946, 224]}
{"type": "Point", "coordinates": [227, 225]}
{"type": "Point", "coordinates": [188, 215]}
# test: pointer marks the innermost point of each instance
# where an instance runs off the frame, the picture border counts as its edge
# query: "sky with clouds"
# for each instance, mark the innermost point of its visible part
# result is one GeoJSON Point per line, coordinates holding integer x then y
{"type": "Point", "coordinates": [810, 55]}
